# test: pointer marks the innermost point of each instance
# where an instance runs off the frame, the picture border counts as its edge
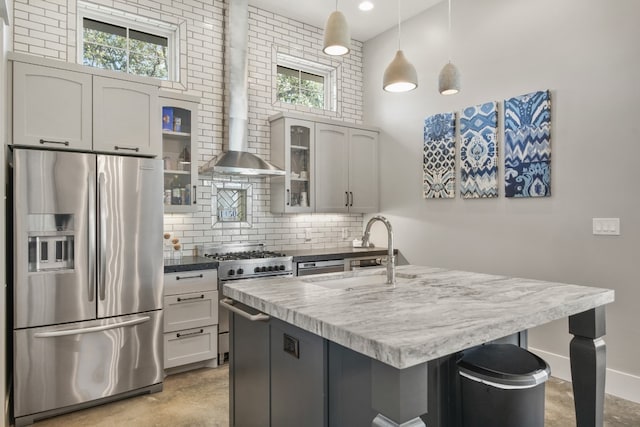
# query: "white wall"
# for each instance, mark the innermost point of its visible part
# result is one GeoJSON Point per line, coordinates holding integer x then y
{"type": "Point", "coordinates": [48, 29]}
{"type": "Point", "coordinates": [586, 54]}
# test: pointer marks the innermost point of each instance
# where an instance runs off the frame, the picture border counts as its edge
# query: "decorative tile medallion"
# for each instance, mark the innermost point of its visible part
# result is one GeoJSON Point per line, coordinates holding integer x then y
{"type": "Point", "coordinates": [479, 151]}
{"type": "Point", "coordinates": [439, 169]}
{"type": "Point", "coordinates": [527, 156]}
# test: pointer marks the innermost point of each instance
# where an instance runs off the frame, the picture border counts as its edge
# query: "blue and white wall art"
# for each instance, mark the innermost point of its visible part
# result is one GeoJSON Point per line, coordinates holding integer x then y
{"type": "Point", "coordinates": [439, 156]}
{"type": "Point", "coordinates": [527, 156]}
{"type": "Point", "coordinates": [479, 151]}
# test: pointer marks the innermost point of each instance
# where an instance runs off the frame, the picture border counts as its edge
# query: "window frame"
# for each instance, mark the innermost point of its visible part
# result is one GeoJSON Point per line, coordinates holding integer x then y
{"type": "Point", "coordinates": [305, 66]}
{"type": "Point", "coordinates": [134, 22]}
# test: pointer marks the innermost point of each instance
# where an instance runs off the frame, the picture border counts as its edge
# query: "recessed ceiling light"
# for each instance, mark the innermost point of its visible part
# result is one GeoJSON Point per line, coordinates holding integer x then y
{"type": "Point", "coordinates": [365, 6]}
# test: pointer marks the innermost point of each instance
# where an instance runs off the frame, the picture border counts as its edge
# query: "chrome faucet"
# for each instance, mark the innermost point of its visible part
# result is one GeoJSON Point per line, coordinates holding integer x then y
{"type": "Point", "coordinates": [391, 259]}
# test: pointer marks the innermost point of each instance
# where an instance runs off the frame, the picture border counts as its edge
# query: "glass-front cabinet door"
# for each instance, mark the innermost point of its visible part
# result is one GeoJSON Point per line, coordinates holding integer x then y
{"type": "Point", "coordinates": [292, 148]}
{"type": "Point", "coordinates": [179, 152]}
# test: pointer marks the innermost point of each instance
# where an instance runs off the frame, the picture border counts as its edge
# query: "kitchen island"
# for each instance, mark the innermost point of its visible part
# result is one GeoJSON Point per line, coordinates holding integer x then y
{"type": "Point", "coordinates": [430, 314]}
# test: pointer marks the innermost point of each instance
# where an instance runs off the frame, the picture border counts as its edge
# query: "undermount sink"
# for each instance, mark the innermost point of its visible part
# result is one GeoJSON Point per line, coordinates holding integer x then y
{"type": "Point", "coordinates": [352, 282]}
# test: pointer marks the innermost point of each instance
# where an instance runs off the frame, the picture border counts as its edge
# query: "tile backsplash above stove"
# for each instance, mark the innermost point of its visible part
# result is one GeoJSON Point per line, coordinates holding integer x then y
{"type": "Point", "coordinates": [276, 231]}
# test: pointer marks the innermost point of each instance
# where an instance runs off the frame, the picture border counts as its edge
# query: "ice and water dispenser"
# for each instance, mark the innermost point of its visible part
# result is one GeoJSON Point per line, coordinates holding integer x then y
{"type": "Point", "coordinates": [51, 242]}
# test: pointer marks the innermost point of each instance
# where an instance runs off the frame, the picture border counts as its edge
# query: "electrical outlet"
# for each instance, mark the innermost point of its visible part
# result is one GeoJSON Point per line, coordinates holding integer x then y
{"type": "Point", "coordinates": [345, 235]}
{"type": "Point", "coordinates": [606, 226]}
{"type": "Point", "coordinates": [307, 235]}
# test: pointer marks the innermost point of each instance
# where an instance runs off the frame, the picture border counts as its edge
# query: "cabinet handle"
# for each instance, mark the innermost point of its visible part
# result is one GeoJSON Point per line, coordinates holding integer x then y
{"type": "Point", "coordinates": [179, 335]}
{"type": "Point", "coordinates": [194, 195]}
{"type": "Point", "coordinates": [48, 141]}
{"type": "Point", "coordinates": [228, 304]}
{"type": "Point", "coordinates": [346, 197]}
{"type": "Point", "coordinates": [288, 197]}
{"type": "Point", "coordinates": [197, 276]}
{"type": "Point", "coordinates": [118, 147]}
{"type": "Point", "coordinates": [190, 298]}
{"type": "Point", "coordinates": [351, 194]}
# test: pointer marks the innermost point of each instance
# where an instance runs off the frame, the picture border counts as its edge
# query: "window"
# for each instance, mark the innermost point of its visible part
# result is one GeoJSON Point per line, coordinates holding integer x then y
{"type": "Point", "coordinates": [126, 43]}
{"type": "Point", "coordinates": [305, 83]}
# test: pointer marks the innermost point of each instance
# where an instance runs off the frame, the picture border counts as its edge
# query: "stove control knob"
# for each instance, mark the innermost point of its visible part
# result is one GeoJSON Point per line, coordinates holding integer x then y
{"type": "Point", "coordinates": [270, 268]}
{"type": "Point", "coordinates": [263, 269]}
{"type": "Point", "coordinates": [231, 272]}
{"type": "Point", "coordinates": [281, 267]}
{"type": "Point", "coordinates": [240, 271]}
{"type": "Point", "coordinates": [256, 270]}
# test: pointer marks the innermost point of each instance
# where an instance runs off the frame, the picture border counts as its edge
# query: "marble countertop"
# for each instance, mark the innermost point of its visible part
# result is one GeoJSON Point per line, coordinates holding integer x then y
{"type": "Point", "coordinates": [430, 313]}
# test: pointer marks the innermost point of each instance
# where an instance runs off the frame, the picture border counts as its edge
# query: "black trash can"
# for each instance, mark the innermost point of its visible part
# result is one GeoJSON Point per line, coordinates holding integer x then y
{"type": "Point", "coordinates": [502, 385]}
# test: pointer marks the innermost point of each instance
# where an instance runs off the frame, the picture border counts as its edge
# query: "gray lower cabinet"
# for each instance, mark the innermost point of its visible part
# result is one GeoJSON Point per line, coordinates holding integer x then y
{"type": "Point", "coordinates": [298, 377]}
{"type": "Point", "coordinates": [248, 371]}
{"type": "Point", "coordinates": [190, 320]}
{"type": "Point", "coordinates": [277, 374]}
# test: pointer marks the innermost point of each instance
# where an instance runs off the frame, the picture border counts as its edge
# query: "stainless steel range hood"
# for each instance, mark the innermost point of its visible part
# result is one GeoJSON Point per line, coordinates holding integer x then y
{"type": "Point", "coordinates": [237, 160]}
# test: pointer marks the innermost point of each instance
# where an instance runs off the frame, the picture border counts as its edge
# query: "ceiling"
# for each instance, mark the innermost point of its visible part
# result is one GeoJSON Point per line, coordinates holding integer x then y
{"type": "Point", "coordinates": [363, 25]}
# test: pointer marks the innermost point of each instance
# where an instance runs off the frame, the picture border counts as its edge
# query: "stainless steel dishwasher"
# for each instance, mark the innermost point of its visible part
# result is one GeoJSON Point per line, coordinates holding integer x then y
{"type": "Point", "coordinates": [318, 267]}
{"type": "Point", "coordinates": [337, 265]}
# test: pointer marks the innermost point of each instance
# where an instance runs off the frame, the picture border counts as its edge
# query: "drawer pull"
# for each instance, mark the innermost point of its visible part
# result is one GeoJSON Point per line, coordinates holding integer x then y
{"type": "Point", "coordinates": [190, 298]}
{"type": "Point", "coordinates": [198, 276]}
{"type": "Point", "coordinates": [46, 141]}
{"type": "Point", "coordinates": [179, 335]}
{"type": "Point", "coordinates": [120, 147]}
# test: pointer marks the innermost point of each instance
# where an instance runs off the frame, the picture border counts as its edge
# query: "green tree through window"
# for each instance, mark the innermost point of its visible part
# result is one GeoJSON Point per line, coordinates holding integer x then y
{"type": "Point", "coordinates": [113, 47]}
{"type": "Point", "coordinates": [300, 87]}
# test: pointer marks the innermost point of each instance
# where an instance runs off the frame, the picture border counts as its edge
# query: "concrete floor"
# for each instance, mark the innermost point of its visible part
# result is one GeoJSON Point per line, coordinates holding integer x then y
{"type": "Point", "coordinates": [200, 399]}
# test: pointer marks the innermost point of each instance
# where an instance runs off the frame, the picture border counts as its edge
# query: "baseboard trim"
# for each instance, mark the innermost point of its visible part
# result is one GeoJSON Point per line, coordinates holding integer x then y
{"type": "Point", "coordinates": [620, 384]}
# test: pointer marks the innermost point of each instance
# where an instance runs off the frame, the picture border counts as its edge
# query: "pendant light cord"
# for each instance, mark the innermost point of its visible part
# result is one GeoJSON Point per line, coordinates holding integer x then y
{"type": "Point", "coordinates": [336, 4]}
{"type": "Point", "coordinates": [449, 31]}
{"type": "Point", "coordinates": [399, 30]}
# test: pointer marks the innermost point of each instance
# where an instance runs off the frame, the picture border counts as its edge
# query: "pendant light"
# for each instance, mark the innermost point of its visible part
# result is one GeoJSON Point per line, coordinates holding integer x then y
{"type": "Point", "coordinates": [400, 75]}
{"type": "Point", "coordinates": [337, 37]}
{"type": "Point", "coordinates": [449, 78]}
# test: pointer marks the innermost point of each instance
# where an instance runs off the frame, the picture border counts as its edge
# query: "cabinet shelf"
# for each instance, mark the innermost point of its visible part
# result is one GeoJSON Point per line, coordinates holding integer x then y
{"type": "Point", "coordinates": [176, 172]}
{"type": "Point", "coordinates": [177, 134]}
{"type": "Point", "coordinates": [300, 179]}
{"type": "Point", "coordinates": [299, 147]}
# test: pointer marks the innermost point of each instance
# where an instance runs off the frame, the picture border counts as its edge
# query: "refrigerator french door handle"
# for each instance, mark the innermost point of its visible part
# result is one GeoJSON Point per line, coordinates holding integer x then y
{"type": "Point", "coordinates": [78, 331]}
{"type": "Point", "coordinates": [92, 237]}
{"type": "Point", "coordinates": [102, 237]}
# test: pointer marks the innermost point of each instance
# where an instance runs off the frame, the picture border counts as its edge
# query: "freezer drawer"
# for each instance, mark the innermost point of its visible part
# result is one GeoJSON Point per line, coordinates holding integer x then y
{"type": "Point", "coordinates": [190, 310]}
{"type": "Point", "coordinates": [190, 346]}
{"type": "Point", "coordinates": [74, 363]}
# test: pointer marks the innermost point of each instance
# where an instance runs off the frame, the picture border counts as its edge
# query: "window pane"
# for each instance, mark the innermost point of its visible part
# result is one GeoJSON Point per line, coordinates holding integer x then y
{"type": "Point", "coordinates": [299, 87]}
{"type": "Point", "coordinates": [104, 57]}
{"type": "Point", "coordinates": [148, 65]}
{"type": "Point", "coordinates": [148, 38]}
{"type": "Point", "coordinates": [104, 34]}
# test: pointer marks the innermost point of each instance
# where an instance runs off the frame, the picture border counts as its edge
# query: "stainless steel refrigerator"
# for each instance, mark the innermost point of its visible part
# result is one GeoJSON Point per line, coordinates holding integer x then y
{"type": "Point", "coordinates": [87, 280]}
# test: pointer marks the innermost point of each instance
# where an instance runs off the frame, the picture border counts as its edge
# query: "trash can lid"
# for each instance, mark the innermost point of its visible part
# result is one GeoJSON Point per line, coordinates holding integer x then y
{"type": "Point", "coordinates": [504, 365]}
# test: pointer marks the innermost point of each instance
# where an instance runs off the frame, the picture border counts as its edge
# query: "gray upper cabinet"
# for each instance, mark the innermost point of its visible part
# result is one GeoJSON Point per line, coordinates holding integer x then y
{"type": "Point", "coordinates": [126, 117]}
{"type": "Point", "coordinates": [72, 107]}
{"type": "Point", "coordinates": [346, 169]}
{"type": "Point", "coordinates": [292, 149]}
{"type": "Point", "coordinates": [331, 166]}
{"type": "Point", "coordinates": [51, 107]}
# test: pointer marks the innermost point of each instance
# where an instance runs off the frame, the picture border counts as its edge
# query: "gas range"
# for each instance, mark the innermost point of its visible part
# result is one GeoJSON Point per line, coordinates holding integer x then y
{"type": "Point", "coordinates": [246, 261]}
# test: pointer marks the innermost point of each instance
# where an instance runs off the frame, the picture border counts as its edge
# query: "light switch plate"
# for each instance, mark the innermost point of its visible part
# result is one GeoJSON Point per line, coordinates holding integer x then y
{"type": "Point", "coordinates": [606, 226]}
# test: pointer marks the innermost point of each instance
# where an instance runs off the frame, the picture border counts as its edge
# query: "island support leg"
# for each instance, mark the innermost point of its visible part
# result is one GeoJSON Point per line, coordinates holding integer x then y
{"type": "Point", "coordinates": [588, 366]}
{"type": "Point", "coordinates": [399, 395]}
